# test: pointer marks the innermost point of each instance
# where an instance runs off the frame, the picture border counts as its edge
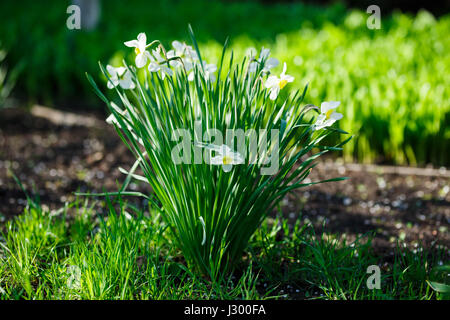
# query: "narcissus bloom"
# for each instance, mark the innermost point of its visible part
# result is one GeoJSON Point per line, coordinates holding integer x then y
{"type": "Point", "coordinates": [119, 76]}
{"type": "Point", "coordinates": [269, 63]}
{"type": "Point", "coordinates": [225, 157]}
{"type": "Point", "coordinates": [140, 45]}
{"type": "Point", "coordinates": [178, 50]}
{"type": "Point", "coordinates": [113, 120]}
{"type": "Point", "coordinates": [160, 64]}
{"type": "Point", "coordinates": [328, 115]}
{"type": "Point", "coordinates": [275, 84]}
{"type": "Point", "coordinates": [209, 69]}
{"type": "Point", "coordinates": [182, 50]}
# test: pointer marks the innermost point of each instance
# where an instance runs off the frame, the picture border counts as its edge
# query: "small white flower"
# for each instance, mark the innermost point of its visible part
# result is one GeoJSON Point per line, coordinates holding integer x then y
{"type": "Point", "coordinates": [275, 84]}
{"type": "Point", "coordinates": [174, 63]}
{"type": "Point", "coordinates": [190, 53]}
{"type": "Point", "coordinates": [119, 76]}
{"type": "Point", "coordinates": [140, 45]}
{"type": "Point", "coordinates": [178, 51]}
{"type": "Point", "coordinates": [113, 121]}
{"type": "Point", "coordinates": [159, 65]}
{"type": "Point", "coordinates": [328, 115]}
{"type": "Point", "coordinates": [209, 69]}
{"type": "Point", "coordinates": [183, 51]}
{"type": "Point", "coordinates": [269, 63]}
{"type": "Point", "coordinates": [225, 157]}
{"type": "Point", "coordinates": [179, 47]}
{"type": "Point", "coordinates": [188, 57]}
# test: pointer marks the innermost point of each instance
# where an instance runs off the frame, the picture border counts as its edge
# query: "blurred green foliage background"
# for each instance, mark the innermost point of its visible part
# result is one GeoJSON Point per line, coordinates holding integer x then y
{"type": "Point", "coordinates": [393, 83]}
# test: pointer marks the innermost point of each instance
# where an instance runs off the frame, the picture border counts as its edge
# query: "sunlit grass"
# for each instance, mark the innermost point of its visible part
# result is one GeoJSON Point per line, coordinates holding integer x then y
{"type": "Point", "coordinates": [124, 253]}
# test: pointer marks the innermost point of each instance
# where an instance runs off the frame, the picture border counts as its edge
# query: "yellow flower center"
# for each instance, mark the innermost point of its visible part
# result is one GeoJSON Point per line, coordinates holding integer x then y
{"type": "Point", "coordinates": [137, 50]}
{"type": "Point", "coordinates": [283, 83]}
{"type": "Point", "coordinates": [227, 160]}
{"type": "Point", "coordinates": [329, 113]}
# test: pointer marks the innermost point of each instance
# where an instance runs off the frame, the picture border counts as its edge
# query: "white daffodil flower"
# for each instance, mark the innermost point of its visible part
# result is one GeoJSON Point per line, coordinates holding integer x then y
{"type": "Point", "coordinates": [209, 69]}
{"type": "Point", "coordinates": [179, 47]}
{"type": "Point", "coordinates": [140, 45]}
{"type": "Point", "coordinates": [113, 121]}
{"type": "Point", "coordinates": [160, 64]}
{"type": "Point", "coordinates": [328, 115]}
{"type": "Point", "coordinates": [119, 76]}
{"type": "Point", "coordinates": [178, 51]}
{"type": "Point", "coordinates": [275, 84]}
{"type": "Point", "coordinates": [185, 52]}
{"type": "Point", "coordinates": [174, 63]}
{"type": "Point", "coordinates": [191, 74]}
{"type": "Point", "coordinates": [188, 58]}
{"type": "Point", "coordinates": [190, 53]}
{"type": "Point", "coordinates": [225, 157]}
{"type": "Point", "coordinates": [269, 63]}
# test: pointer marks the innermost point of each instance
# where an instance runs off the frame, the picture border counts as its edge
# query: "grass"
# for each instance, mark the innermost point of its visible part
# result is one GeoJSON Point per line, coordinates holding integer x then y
{"type": "Point", "coordinates": [117, 251]}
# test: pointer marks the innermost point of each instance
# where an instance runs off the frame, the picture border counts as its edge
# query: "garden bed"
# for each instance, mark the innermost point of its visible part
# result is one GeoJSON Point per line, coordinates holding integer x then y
{"type": "Point", "coordinates": [57, 153]}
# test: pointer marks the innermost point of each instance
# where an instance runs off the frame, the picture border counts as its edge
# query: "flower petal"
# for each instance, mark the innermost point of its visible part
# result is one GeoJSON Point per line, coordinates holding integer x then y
{"type": "Point", "coordinates": [274, 93]}
{"type": "Point", "coordinates": [284, 68]}
{"type": "Point", "coordinates": [227, 167]}
{"type": "Point", "coordinates": [272, 81]}
{"type": "Point", "coordinates": [265, 53]}
{"type": "Point", "coordinates": [132, 43]}
{"type": "Point", "coordinates": [127, 81]}
{"type": "Point", "coordinates": [326, 106]}
{"type": "Point", "coordinates": [153, 66]}
{"type": "Point", "coordinates": [253, 67]}
{"type": "Point", "coordinates": [287, 77]}
{"type": "Point", "coordinates": [336, 116]}
{"type": "Point", "coordinates": [141, 60]}
{"type": "Point", "coordinates": [121, 71]}
{"type": "Point", "coordinates": [178, 46]}
{"type": "Point", "coordinates": [111, 70]}
{"type": "Point", "coordinates": [271, 63]}
{"type": "Point", "coordinates": [110, 85]}
{"type": "Point", "coordinates": [217, 160]}
{"type": "Point", "coordinates": [226, 150]}
{"type": "Point", "coordinates": [237, 158]}
{"type": "Point", "coordinates": [142, 39]}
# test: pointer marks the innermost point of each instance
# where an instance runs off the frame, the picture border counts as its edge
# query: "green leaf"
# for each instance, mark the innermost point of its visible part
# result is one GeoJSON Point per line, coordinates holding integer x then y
{"type": "Point", "coordinates": [439, 287]}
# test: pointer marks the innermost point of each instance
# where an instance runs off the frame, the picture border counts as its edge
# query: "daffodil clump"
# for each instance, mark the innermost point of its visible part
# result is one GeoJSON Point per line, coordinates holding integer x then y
{"type": "Point", "coordinates": [220, 146]}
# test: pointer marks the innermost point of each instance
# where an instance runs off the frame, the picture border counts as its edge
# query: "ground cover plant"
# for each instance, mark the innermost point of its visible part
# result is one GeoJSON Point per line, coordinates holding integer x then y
{"type": "Point", "coordinates": [119, 252]}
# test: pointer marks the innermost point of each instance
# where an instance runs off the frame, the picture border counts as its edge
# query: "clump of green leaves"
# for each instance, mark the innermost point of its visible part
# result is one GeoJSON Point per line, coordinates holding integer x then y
{"type": "Point", "coordinates": [212, 211]}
